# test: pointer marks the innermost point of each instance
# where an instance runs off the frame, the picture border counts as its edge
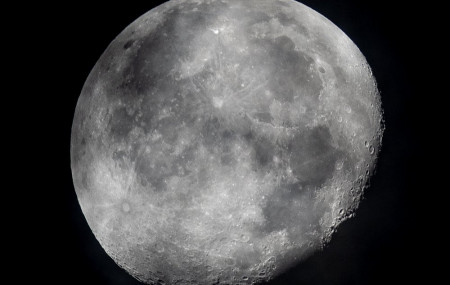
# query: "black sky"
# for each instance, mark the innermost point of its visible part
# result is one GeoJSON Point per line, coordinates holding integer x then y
{"type": "Point", "coordinates": [386, 243]}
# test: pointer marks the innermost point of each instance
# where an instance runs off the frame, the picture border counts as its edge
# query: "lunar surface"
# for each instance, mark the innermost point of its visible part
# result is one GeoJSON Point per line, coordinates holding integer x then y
{"type": "Point", "coordinates": [223, 141]}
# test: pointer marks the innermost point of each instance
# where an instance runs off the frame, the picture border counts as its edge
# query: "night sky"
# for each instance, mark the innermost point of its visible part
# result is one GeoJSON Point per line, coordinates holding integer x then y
{"type": "Point", "coordinates": [388, 242]}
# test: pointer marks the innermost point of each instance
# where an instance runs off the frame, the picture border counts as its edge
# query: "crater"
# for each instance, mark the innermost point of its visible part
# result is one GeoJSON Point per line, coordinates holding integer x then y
{"type": "Point", "coordinates": [285, 43]}
{"type": "Point", "coordinates": [126, 207]}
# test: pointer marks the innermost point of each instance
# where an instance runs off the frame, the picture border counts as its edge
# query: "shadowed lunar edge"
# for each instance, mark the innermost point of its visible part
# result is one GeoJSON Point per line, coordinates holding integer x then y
{"type": "Point", "coordinates": [219, 141]}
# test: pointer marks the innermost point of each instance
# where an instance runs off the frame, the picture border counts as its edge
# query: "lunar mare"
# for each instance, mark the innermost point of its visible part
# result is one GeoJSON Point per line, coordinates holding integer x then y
{"type": "Point", "coordinates": [223, 141]}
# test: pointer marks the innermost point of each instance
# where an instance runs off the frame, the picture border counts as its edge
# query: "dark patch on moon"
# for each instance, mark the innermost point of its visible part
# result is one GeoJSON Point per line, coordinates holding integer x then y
{"type": "Point", "coordinates": [264, 117]}
{"type": "Point", "coordinates": [313, 156]}
{"type": "Point", "coordinates": [119, 156]}
{"type": "Point", "coordinates": [121, 123]}
{"type": "Point", "coordinates": [284, 44]}
{"type": "Point", "coordinates": [292, 22]}
{"type": "Point", "coordinates": [181, 163]}
{"type": "Point", "coordinates": [154, 60]}
{"type": "Point", "coordinates": [280, 213]}
{"type": "Point", "coordinates": [341, 78]}
{"type": "Point", "coordinates": [225, 147]}
{"type": "Point", "coordinates": [281, 3]}
{"type": "Point", "coordinates": [264, 151]}
{"type": "Point", "coordinates": [210, 132]}
{"type": "Point", "coordinates": [290, 69]}
{"type": "Point", "coordinates": [128, 44]}
{"type": "Point", "coordinates": [84, 180]}
{"type": "Point", "coordinates": [153, 171]}
{"type": "Point", "coordinates": [245, 11]}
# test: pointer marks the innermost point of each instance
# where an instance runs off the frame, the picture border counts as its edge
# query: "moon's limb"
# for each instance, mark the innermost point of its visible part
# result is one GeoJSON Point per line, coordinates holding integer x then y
{"type": "Point", "coordinates": [223, 139]}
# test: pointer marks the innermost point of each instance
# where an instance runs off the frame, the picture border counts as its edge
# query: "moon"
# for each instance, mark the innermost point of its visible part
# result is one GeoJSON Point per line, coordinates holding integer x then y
{"type": "Point", "coordinates": [220, 141]}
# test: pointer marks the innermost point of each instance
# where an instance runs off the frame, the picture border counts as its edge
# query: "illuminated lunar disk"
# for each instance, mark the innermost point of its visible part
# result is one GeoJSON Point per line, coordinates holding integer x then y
{"type": "Point", "coordinates": [223, 141]}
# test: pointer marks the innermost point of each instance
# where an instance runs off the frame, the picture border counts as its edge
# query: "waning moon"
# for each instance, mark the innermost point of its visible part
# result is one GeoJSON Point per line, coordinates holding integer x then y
{"type": "Point", "coordinates": [220, 141]}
